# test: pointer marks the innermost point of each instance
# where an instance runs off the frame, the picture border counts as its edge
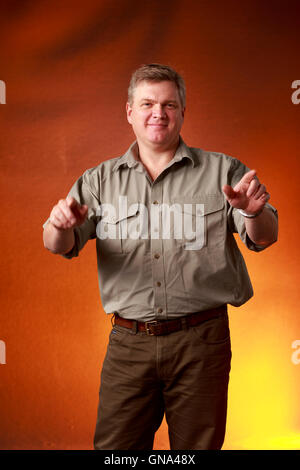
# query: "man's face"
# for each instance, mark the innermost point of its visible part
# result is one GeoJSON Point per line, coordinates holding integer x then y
{"type": "Point", "coordinates": [156, 114]}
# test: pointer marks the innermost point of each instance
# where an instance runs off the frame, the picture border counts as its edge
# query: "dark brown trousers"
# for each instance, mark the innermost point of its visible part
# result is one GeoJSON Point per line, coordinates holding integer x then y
{"type": "Point", "coordinates": [184, 375]}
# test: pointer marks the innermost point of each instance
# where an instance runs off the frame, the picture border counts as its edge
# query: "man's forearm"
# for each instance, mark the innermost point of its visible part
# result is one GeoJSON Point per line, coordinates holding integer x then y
{"type": "Point", "coordinates": [263, 229]}
{"type": "Point", "coordinates": [58, 241]}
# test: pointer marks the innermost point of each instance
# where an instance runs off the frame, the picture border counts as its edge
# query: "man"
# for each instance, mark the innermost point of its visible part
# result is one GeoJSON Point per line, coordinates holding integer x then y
{"type": "Point", "coordinates": [163, 216]}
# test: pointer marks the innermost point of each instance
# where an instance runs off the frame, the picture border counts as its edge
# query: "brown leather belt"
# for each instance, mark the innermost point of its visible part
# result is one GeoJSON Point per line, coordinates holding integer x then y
{"type": "Point", "coordinates": [164, 327]}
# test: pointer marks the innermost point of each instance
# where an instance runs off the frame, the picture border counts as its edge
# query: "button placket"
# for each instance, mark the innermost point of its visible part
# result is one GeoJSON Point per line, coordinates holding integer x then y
{"type": "Point", "coordinates": [157, 257]}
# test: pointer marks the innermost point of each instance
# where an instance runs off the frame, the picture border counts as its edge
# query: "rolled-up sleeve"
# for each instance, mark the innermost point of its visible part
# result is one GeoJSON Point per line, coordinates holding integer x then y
{"type": "Point", "coordinates": [239, 221]}
{"type": "Point", "coordinates": [84, 192]}
{"type": "Point", "coordinates": [235, 219]}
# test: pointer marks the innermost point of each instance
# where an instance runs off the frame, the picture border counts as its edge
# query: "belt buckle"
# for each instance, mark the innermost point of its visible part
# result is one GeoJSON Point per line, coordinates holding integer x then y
{"type": "Point", "coordinates": [147, 326]}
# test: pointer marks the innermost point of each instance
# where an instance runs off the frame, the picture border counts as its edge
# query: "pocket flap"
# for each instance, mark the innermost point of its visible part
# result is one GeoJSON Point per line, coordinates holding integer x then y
{"type": "Point", "coordinates": [112, 217]}
{"type": "Point", "coordinates": [202, 205]}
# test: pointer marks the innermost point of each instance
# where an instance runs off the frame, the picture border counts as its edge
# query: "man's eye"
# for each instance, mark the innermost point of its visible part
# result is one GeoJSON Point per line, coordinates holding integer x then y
{"type": "Point", "coordinates": [146, 104]}
{"type": "Point", "coordinates": [171, 105]}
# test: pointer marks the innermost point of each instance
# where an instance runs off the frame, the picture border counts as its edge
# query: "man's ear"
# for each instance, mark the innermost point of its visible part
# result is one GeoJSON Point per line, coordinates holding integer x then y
{"type": "Point", "coordinates": [128, 112]}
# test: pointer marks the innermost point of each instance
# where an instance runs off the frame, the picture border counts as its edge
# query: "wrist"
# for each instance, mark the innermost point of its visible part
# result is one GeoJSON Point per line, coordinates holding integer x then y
{"type": "Point", "coordinates": [59, 229]}
{"type": "Point", "coordinates": [250, 215]}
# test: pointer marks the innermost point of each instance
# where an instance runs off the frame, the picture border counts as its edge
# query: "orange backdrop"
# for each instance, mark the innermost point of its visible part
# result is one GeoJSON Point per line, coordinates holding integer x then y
{"type": "Point", "coordinates": [66, 66]}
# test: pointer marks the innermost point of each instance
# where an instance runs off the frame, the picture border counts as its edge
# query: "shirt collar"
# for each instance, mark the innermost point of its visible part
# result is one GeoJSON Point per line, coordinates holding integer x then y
{"type": "Point", "coordinates": [183, 151]}
{"type": "Point", "coordinates": [130, 157]}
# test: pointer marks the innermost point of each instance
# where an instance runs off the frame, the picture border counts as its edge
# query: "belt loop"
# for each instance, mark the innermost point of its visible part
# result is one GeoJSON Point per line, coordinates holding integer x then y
{"type": "Point", "coordinates": [134, 327]}
{"type": "Point", "coordinates": [184, 323]}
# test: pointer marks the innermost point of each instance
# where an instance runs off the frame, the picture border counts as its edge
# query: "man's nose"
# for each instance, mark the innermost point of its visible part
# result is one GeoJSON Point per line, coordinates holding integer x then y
{"type": "Point", "coordinates": [159, 111]}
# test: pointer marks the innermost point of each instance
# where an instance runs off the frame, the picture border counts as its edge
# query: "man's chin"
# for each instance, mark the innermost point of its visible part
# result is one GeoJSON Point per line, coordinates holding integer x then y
{"type": "Point", "coordinates": [160, 143]}
{"type": "Point", "coordinates": [163, 145]}
{"type": "Point", "coordinates": [159, 138]}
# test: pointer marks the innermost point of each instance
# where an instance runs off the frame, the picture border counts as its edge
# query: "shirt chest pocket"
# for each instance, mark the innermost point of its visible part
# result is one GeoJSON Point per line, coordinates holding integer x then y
{"type": "Point", "coordinates": [202, 221]}
{"type": "Point", "coordinates": [122, 232]}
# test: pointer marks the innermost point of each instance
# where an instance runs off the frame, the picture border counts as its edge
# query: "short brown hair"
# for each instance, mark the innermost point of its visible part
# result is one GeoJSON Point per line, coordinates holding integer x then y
{"type": "Point", "coordinates": [156, 73]}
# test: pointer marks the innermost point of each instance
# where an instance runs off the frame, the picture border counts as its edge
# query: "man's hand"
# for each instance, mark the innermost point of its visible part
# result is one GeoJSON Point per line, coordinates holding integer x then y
{"type": "Point", "coordinates": [251, 196]}
{"type": "Point", "coordinates": [67, 214]}
{"type": "Point", "coordinates": [58, 235]}
{"type": "Point", "coordinates": [248, 194]}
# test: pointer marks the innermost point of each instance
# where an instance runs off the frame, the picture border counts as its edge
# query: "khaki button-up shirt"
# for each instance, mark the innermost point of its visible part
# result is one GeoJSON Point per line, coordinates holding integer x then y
{"type": "Point", "coordinates": [165, 248]}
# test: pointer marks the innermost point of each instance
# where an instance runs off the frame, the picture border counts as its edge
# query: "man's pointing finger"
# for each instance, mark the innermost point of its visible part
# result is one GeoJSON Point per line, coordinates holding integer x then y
{"type": "Point", "coordinates": [228, 191]}
{"type": "Point", "coordinates": [248, 177]}
{"type": "Point", "coordinates": [78, 210]}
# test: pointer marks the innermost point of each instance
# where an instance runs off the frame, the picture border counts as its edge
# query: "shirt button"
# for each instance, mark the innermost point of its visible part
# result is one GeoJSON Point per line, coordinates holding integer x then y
{"type": "Point", "coordinates": [159, 310]}
{"type": "Point", "coordinates": [158, 284]}
{"type": "Point", "coordinates": [157, 255]}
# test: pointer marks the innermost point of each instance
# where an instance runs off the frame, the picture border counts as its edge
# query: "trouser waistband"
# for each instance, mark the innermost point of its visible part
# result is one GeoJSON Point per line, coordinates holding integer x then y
{"type": "Point", "coordinates": [164, 327]}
